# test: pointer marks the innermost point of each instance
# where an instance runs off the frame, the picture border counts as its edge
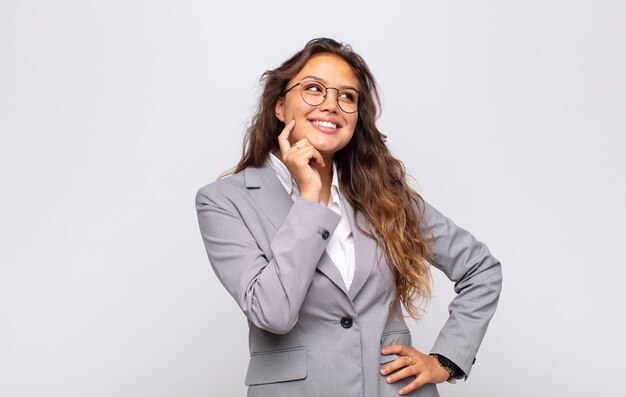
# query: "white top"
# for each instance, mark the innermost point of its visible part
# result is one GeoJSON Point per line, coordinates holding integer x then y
{"type": "Point", "coordinates": [340, 246]}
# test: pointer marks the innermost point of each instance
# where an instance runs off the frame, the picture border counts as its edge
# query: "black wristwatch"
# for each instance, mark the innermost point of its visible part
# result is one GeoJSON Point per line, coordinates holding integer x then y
{"type": "Point", "coordinates": [453, 370]}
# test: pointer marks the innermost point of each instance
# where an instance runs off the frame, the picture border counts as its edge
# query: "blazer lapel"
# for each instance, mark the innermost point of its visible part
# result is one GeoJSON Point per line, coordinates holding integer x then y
{"type": "Point", "coordinates": [271, 196]}
{"type": "Point", "coordinates": [263, 184]}
{"type": "Point", "coordinates": [366, 250]}
{"type": "Point", "coordinates": [328, 267]}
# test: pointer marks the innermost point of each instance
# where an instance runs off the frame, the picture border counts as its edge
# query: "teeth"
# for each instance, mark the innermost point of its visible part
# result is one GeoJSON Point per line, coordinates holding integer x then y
{"type": "Point", "coordinates": [326, 124]}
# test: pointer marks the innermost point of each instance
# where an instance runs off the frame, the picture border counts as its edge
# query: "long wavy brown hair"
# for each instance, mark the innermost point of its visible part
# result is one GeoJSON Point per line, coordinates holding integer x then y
{"type": "Point", "coordinates": [370, 178]}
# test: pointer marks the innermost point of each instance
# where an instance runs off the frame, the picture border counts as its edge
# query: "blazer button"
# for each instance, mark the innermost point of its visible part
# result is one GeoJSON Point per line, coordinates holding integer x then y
{"type": "Point", "coordinates": [325, 234]}
{"type": "Point", "coordinates": [346, 322]}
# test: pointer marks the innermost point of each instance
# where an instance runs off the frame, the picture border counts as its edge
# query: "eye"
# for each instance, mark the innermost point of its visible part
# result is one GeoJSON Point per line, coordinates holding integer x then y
{"type": "Point", "coordinates": [348, 96]}
{"type": "Point", "coordinates": [312, 87]}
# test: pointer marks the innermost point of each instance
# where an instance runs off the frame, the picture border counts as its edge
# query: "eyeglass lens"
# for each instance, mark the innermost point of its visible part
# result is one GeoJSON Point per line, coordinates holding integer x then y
{"type": "Point", "coordinates": [314, 93]}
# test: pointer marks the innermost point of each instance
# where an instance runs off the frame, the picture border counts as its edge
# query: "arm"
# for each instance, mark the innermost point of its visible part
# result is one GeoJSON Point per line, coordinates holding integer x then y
{"type": "Point", "coordinates": [268, 286]}
{"type": "Point", "coordinates": [478, 282]}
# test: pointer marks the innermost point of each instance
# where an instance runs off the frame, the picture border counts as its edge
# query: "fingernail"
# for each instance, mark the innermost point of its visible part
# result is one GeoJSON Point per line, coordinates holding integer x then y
{"type": "Point", "coordinates": [383, 371]}
{"type": "Point", "coordinates": [388, 379]}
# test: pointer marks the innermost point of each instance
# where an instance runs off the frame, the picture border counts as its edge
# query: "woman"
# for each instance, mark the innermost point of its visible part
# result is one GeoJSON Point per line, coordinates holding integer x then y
{"type": "Point", "coordinates": [320, 239]}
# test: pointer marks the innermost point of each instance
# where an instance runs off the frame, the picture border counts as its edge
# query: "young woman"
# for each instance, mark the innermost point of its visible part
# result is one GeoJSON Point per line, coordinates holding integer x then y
{"type": "Point", "coordinates": [320, 240]}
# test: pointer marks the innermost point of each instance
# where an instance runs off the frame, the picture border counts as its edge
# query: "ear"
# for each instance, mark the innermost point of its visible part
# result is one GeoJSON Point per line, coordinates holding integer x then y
{"type": "Point", "coordinates": [279, 110]}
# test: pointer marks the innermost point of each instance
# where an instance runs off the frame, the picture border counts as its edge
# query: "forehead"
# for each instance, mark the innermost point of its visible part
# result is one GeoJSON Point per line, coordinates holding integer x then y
{"type": "Point", "coordinates": [331, 69]}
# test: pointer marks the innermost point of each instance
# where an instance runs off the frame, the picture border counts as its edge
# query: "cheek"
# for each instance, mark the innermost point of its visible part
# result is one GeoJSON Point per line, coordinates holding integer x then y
{"type": "Point", "coordinates": [353, 122]}
{"type": "Point", "coordinates": [291, 109]}
{"type": "Point", "coordinates": [349, 138]}
{"type": "Point", "coordinates": [297, 133]}
{"type": "Point", "coordinates": [353, 126]}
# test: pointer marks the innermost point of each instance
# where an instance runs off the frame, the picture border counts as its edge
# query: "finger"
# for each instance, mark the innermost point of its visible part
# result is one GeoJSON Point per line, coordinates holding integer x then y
{"type": "Point", "coordinates": [304, 146]}
{"type": "Point", "coordinates": [399, 363]}
{"type": "Point", "coordinates": [317, 159]}
{"type": "Point", "coordinates": [301, 144]}
{"type": "Point", "coordinates": [400, 375]}
{"type": "Point", "coordinates": [414, 385]}
{"type": "Point", "coordinates": [401, 350]}
{"type": "Point", "coordinates": [283, 138]}
{"type": "Point", "coordinates": [310, 154]}
{"type": "Point", "coordinates": [302, 156]}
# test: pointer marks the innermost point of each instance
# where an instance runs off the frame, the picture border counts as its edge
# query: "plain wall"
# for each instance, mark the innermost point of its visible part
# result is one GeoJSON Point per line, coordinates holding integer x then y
{"type": "Point", "coordinates": [511, 116]}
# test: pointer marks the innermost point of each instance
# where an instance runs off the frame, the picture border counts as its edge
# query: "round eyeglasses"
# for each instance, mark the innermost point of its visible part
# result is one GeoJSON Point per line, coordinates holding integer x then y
{"type": "Point", "coordinates": [314, 93]}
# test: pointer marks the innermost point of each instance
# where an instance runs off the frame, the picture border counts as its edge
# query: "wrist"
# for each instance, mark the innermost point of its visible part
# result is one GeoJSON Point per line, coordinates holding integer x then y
{"type": "Point", "coordinates": [454, 372]}
{"type": "Point", "coordinates": [440, 374]}
{"type": "Point", "coordinates": [311, 194]}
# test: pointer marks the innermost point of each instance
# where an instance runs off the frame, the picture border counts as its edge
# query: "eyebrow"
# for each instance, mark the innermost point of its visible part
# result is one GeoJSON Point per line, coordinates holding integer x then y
{"type": "Point", "coordinates": [326, 82]}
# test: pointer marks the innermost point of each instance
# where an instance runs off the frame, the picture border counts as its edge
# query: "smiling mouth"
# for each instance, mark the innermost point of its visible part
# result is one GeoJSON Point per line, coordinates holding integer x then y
{"type": "Point", "coordinates": [324, 124]}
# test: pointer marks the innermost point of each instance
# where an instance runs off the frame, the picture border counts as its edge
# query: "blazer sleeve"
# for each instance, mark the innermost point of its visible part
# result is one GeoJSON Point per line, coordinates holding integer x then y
{"type": "Point", "coordinates": [478, 281]}
{"type": "Point", "coordinates": [270, 287]}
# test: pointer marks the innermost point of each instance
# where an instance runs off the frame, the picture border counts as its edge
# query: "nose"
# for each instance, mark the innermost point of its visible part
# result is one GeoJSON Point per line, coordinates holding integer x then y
{"type": "Point", "coordinates": [330, 103]}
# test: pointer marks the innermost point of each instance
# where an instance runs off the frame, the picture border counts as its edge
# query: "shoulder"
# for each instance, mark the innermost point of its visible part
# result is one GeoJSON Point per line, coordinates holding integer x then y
{"type": "Point", "coordinates": [222, 190]}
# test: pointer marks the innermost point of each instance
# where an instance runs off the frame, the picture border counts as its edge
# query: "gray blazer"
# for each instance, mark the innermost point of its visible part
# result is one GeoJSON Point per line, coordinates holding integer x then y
{"type": "Point", "coordinates": [309, 336]}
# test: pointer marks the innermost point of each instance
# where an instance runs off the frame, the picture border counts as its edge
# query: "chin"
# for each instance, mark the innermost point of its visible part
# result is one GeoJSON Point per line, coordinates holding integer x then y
{"type": "Point", "coordinates": [325, 147]}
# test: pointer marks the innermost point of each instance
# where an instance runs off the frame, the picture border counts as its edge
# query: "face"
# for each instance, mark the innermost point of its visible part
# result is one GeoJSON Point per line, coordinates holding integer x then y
{"type": "Point", "coordinates": [326, 126]}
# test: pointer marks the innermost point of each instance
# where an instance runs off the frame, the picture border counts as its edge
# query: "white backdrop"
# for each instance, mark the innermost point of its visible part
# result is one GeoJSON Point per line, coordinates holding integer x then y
{"type": "Point", "coordinates": [510, 115]}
